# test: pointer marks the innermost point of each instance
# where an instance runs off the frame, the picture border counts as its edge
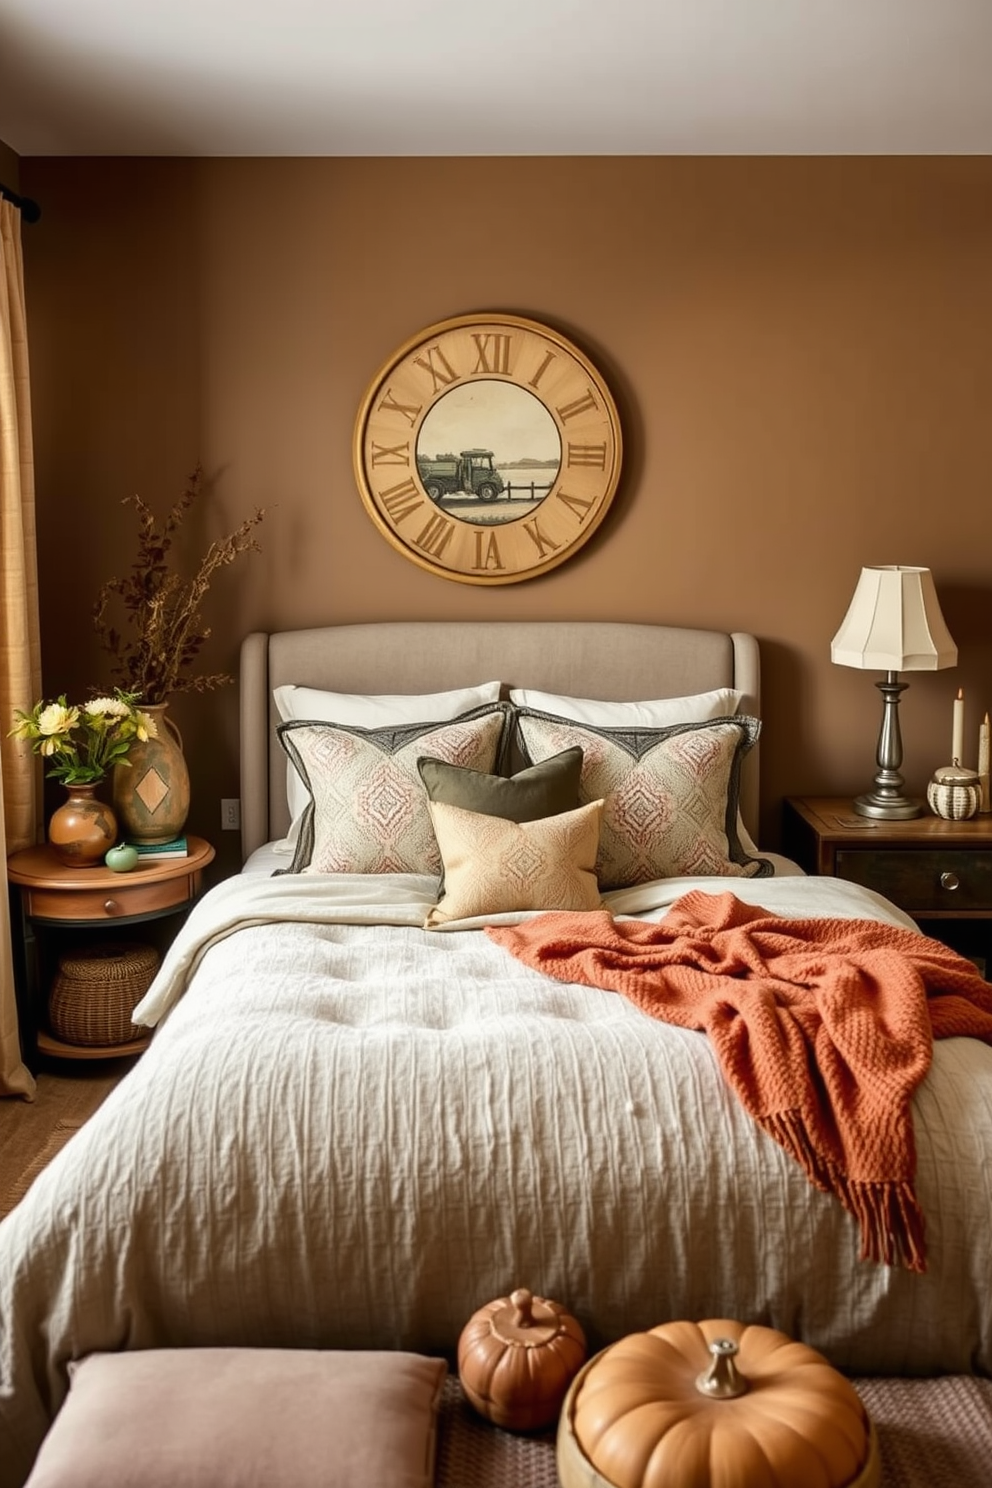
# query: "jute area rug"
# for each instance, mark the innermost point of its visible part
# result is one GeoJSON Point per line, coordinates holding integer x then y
{"type": "Point", "coordinates": [933, 1433]}
{"type": "Point", "coordinates": [32, 1132]}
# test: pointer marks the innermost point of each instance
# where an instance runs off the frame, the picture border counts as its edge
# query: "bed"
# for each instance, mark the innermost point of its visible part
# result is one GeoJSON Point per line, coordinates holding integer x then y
{"type": "Point", "coordinates": [350, 1131]}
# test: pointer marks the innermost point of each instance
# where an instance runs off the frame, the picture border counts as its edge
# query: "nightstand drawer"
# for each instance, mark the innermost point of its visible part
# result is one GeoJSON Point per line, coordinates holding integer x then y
{"type": "Point", "coordinates": [116, 902]}
{"type": "Point", "coordinates": [922, 880]}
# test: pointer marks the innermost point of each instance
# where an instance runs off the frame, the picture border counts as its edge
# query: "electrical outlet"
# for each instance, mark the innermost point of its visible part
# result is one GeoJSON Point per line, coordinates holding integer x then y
{"type": "Point", "coordinates": [230, 814]}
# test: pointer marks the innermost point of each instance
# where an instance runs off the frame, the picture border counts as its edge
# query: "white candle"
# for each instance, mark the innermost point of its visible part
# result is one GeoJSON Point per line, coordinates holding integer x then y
{"type": "Point", "coordinates": [957, 737]}
{"type": "Point", "coordinates": [983, 762]}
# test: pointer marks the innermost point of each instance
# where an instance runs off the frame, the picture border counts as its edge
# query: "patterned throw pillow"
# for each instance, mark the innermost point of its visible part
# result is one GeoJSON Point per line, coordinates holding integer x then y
{"type": "Point", "coordinates": [671, 794]}
{"type": "Point", "coordinates": [492, 865]}
{"type": "Point", "coordinates": [368, 809]}
{"type": "Point", "coordinates": [367, 711]}
{"type": "Point", "coordinates": [697, 707]}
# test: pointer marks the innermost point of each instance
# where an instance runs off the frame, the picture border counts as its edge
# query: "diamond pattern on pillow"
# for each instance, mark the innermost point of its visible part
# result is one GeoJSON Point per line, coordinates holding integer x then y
{"type": "Point", "coordinates": [492, 865]}
{"type": "Point", "coordinates": [368, 810]}
{"type": "Point", "coordinates": [374, 711]}
{"type": "Point", "coordinates": [671, 794]}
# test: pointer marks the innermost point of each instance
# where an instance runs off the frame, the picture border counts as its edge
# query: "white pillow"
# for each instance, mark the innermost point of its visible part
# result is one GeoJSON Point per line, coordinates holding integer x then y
{"type": "Point", "coordinates": [699, 707]}
{"type": "Point", "coordinates": [378, 710]}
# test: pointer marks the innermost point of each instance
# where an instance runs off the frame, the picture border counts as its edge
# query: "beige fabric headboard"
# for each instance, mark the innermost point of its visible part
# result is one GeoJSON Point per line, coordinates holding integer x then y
{"type": "Point", "coordinates": [593, 659]}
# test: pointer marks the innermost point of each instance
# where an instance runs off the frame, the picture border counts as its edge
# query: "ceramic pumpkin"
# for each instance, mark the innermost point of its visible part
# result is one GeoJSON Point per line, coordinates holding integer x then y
{"type": "Point", "coordinates": [714, 1404]}
{"type": "Point", "coordinates": [517, 1357]}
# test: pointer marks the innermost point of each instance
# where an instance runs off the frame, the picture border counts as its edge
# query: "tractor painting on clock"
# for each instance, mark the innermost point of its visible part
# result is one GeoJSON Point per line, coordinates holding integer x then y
{"type": "Point", "coordinates": [488, 449]}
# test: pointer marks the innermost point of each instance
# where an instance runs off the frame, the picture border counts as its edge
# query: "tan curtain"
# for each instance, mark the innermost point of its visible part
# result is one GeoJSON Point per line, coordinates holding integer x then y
{"type": "Point", "coordinates": [20, 650]}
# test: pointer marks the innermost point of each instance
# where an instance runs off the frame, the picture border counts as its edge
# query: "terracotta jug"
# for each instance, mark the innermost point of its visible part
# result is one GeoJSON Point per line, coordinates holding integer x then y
{"type": "Point", "coordinates": [151, 792]}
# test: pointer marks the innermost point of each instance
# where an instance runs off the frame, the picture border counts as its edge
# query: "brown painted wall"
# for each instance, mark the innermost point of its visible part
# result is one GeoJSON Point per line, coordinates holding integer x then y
{"type": "Point", "coordinates": [799, 348]}
{"type": "Point", "coordinates": [10, 167]}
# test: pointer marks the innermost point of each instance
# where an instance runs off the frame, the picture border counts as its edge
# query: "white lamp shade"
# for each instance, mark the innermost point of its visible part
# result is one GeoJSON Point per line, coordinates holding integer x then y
{"type": "Point", "coordinates": [894, 624]}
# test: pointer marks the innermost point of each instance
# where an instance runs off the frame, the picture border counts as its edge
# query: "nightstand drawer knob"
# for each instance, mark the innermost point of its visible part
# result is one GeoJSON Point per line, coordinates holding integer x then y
{"type": "Point", "coordinates": [949, 881]}
{"type": "Point", "coordinates": [112, 907]}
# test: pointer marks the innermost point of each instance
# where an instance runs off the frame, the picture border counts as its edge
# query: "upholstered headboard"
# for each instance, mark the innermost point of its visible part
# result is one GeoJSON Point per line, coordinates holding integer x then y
{"type": "Point", "coordinates": [592, 659]}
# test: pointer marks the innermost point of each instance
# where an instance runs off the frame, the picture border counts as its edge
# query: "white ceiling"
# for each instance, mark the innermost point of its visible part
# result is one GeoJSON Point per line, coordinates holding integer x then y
{"type": "Point", "coordinates": [495, 77]}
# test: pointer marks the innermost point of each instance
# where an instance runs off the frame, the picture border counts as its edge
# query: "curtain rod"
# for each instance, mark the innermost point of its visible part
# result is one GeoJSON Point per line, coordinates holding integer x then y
{"type": "Point", "coordinates": [29, 209]}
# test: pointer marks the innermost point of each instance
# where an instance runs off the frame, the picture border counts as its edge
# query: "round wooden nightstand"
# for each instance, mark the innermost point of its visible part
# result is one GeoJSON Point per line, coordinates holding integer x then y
{"type": "Point", "coordinates": [55, 901]}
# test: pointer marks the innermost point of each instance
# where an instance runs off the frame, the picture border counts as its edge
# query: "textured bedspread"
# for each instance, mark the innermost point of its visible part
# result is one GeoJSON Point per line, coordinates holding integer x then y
{"type": "Point", "coordinates": [352, 1134]}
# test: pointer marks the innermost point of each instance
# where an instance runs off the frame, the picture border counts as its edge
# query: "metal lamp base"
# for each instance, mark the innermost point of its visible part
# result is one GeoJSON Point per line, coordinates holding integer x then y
{"type": "Point", "coordinates": [887, 802]}
{"type": "Point", "coordinates": [884, 808]}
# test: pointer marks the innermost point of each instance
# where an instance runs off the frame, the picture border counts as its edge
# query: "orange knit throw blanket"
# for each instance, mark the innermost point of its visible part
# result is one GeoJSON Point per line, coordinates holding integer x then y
{"type": "Point", "coordinates": [823, 1028]}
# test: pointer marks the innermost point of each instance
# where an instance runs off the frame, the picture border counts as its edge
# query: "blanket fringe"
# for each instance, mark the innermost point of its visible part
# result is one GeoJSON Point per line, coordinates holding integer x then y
{"type": "Point", "coordinates": [888, 1213]}
{"type": "Point", "coordinates": [798, 1011]}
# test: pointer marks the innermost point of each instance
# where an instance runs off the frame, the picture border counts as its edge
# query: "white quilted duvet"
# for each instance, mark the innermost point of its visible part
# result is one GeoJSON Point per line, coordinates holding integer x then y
{"type": "Point", "coordinates": [350, 1133]}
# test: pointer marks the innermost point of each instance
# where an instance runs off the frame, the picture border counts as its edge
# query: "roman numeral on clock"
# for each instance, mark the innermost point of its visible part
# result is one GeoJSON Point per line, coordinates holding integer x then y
{"type": "Point", "coordinates": [390, 454]}
{"type": "Point", "coordinates": [487, 551]}
{"type": "Point", "coordinates": [410, 411]}
{"type": "Point", "coordinates": [399, 501]}
{"type": "Point", "coordinates": [575, 504]}
{"type": "Point", "coordinates": [494, 353]}
{"type": "Point", "coordinates": [540, 539]}
{"type": "Point", "coordinates": [548, 359]}
{"type": "Point", "coordinates": [588, 454]}
{"type": "Point", "coordinates": [436, 535]}
{"type": "Point", "coordinates": [585, 404]}
{"type": "Point", "coordinates": [438, 368]}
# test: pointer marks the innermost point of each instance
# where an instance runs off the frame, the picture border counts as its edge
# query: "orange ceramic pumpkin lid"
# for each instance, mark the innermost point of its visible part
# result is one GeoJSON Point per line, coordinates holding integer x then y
{"type": "Point", "coordinates": [710, 1405]}
{"type": "Point", "coordinates": [526, 1321]}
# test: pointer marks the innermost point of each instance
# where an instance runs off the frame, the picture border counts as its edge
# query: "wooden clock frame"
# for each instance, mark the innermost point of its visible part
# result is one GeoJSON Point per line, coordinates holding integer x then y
{"type": "Point", "coordinates": [487, 450]}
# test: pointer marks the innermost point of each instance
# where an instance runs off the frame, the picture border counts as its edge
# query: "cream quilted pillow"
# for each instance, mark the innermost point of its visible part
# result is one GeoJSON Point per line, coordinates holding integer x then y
{"type": "Point", "coordinates": [492, 866]}
{"type": "Point", "coordinates": [670, 795]}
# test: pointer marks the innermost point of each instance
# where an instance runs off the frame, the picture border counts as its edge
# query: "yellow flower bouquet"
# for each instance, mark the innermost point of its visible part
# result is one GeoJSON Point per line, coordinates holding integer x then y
{"type": "Point", "coordinates": [83, 743]}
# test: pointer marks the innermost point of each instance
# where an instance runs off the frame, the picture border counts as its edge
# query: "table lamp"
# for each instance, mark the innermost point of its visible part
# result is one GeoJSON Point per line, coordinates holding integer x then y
{"type": "Point", "coordinates": [893, 625]}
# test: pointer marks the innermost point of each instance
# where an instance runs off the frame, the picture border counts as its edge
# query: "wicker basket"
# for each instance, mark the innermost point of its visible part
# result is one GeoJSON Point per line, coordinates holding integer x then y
{"type": "Point", "coordinates": [96, 990]}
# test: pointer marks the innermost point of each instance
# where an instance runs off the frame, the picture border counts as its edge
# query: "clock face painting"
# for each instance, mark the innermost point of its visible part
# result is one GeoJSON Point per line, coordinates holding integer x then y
{"type": "Point", "coordinates": [488, 449]}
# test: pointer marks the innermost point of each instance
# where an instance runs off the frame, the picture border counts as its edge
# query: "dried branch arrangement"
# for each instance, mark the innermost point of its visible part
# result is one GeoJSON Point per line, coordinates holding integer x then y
{"type": "Point", "coordinates": [166, 631]}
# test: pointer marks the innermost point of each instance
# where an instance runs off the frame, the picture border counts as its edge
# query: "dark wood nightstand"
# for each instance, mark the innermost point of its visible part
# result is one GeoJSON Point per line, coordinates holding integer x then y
{"type": "Point", "coordinates": [55, 906]}
{"type": "Point", "coordinates": [940, 872]}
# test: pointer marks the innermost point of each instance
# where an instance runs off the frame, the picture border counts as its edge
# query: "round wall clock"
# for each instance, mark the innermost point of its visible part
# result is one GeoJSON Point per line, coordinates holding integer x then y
{"type": "Point", "coordinates": [487, 450]}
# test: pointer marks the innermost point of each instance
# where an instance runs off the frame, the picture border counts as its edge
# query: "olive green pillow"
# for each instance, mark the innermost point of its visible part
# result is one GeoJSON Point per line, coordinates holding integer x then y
{"type": "Point", "coordinates": [544, 789]}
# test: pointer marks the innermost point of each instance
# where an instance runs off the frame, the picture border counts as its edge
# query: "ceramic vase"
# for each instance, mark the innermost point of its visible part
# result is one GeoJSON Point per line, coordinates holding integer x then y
{"type": "Point", "coordinates": [82, 829]}
{"type": "Point", "coordinates": [151, 792]}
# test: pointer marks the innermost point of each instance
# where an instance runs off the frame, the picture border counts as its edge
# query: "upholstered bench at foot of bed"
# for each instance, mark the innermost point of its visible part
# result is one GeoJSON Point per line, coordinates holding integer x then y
{"type": "Point", "coordinates": [245, 1418]}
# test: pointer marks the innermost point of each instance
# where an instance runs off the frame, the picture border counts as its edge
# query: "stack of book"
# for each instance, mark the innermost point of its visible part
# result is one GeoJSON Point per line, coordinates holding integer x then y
{"type": "Point", "coordinates": [161, 852]}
